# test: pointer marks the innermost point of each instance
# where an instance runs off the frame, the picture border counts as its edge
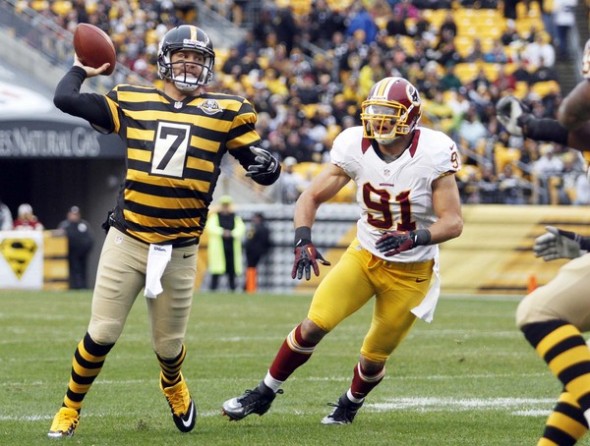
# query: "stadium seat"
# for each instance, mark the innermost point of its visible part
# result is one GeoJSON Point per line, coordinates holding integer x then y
{"type": "Point", "coordinates": [466, 71]}
{"type": "Point", "coordinates": [505, 155]}
{"type": "Point", "coordinates": [61, 8]}
{"type": "Point", "coordinates": [545, 88]}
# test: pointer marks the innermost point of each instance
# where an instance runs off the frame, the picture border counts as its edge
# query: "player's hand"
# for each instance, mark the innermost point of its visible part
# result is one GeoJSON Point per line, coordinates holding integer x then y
{"type": "Point", "coordinates": [90, 71]}
{"type": "Point", "coordinates": [264, 163]}
{"type": "Point", "coordinates": [558, 244]}
{"type": "Point", "coordinates": [586, 61]}
{"type": "Point", "coordinates": [512, 114]}
{"type": "Point", "coordinates": [307, 257]}
{"type": "Point", "coordinates": [394, 242]}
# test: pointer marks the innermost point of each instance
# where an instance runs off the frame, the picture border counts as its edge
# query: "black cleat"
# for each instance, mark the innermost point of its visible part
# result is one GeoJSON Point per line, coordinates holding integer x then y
{"type": "Point", "coordinates": [343, 413]}
{"type": "Point", "coordinates": [257, 400]}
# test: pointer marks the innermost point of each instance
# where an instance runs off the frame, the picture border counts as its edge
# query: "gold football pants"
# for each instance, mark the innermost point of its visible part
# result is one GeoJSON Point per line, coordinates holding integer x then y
{"type": "Point", "coordinates": [121, 277]}
{"type": "Point", "coordinates": [356, 278]}
{"type": "Point", "coordinates": [565, 297]}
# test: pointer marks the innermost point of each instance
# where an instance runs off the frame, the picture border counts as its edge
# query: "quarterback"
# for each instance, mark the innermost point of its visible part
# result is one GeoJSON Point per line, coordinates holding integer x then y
{"type": "Point", "coordinates": [176, 138]}
{"type": "Point", "coordinates": [409, 203]}
{"type": "Point", "coordinates": [553, 317]}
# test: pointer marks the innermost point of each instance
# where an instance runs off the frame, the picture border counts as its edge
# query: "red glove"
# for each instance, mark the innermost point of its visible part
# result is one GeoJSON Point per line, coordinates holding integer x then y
{"type": "Point", "coordinates": [394, 242]}
{"type": "Point", "coordinates": [306, 255]}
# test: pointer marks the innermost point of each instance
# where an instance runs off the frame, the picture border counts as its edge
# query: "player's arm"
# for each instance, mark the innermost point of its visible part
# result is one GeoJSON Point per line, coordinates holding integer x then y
{"type": "Point", "coordinates": [446, 203]}
{"type": "Point", "coordinates": [574, 110]}
{"type": "Point", "coordinates": [89, 106]}
{"type": "Point", "coordinates": [323, 187]}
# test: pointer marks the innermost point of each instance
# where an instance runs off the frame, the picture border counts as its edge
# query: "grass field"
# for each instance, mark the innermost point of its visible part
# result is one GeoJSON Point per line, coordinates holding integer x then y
{"type": "Point", "coordinates": [469, 378]}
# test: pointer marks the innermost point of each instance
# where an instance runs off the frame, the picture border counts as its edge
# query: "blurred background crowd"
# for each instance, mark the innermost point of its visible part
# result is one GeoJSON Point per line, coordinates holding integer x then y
{"type": "Point", "coordinates": [307, 65]}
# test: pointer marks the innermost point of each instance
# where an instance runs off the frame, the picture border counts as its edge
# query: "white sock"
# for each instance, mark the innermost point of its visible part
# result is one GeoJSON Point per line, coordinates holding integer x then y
{"type": "Point", "coordinates": [353, 399]}
{"type": "Point", "coordinates": [587, 415]}
{"type": "Point", "coordinates": [274, 384]}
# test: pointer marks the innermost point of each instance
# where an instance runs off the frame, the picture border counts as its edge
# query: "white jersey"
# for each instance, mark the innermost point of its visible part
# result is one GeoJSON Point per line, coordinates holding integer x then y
{"type": "Point", "coordinates": [396, 196]}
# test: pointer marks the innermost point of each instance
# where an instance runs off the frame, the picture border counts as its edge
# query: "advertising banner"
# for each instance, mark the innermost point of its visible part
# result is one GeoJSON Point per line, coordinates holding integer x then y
{"type": "Point", "coordinates": [21, 259]}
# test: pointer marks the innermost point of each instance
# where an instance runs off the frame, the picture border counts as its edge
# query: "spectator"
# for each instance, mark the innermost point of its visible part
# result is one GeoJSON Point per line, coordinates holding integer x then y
{"type": "Point", "coordinates": [450, 80]}
{"type": "Point", "coordinates": [448, 27]}
{"type": "Point", "coordinates": [225, 230]}
{"type": "Point", "coordinates": [26, 220]}
{"type": "Point", "coordinates": [546, 167]}
{"type": "Point", "coordinates": [505, 82]}
{"type": "Point", "coordinates": [80, 243]}
{"type": "Point", "coordinates": [539, 52]}
{"type": "Point", "coordinates": [510, 34]}
{"type": "Point", "coordinates": [5, 217]}
{"type": "Point", "coordinates": [582, 190]}
{"type": "Point", "coordinates": [406, 9]}
{"type": "Point", "coordinates": [324, 23]}
{"type": "Point", "coordinates": [511, 186]}
{"type": "Point", "coordinates": [522, 73]}
{"type": "Point", "coordinates": [396, 25]}
{"type": "Point", "coordinates": [290, 184]}
{"type": "Point", "coordinates": [488, 186]}
{"type": "Point", "coordinates": [471, 131]}
{"type": "Point", "coordinates": [543, 73]}
{"type": "Point", "coordinates": [564, 15]}
{"type": "Point", "coordinates": [257, 246]}
{"type": "Point", "coordinates": [363, 21]}
{"type": "Point", "coordinates": [496, 54]}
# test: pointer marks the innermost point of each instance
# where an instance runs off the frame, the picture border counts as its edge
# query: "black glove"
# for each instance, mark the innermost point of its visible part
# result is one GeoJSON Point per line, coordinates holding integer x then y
{"type": "Point", "coordinates": [513, 115]}
{"type": "Point", "coordinates": [394, 242]}
{"type": "Point", "coordinates": [306, 255]}
{"type": "Point", "coordinates": [264, 163]}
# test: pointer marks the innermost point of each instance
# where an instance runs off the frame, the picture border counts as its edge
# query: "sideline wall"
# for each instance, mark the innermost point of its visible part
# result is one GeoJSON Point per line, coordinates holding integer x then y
{"type": "Point", "coordinates": [493, 255]}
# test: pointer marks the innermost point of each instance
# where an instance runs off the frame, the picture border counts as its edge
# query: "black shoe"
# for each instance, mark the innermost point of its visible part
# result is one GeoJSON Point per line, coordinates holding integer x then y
{"type": "Point", "coordinates": [343, 413]}
{"type": "Point", "coordinates": [257, 400]}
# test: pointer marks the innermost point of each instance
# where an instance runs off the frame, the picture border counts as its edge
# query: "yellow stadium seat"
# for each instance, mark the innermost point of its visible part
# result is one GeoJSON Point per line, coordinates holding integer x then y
{"type": "Point", "coordinates": [299, 7]}
{"type": "Point", "coordinates": [61, 8]}
{"type": "Point", "coordinates": [339, 5]}
{"type": "Point", "coordinates": [39, 5]}
{"type": "Point", "coordinates": [545, 88]}
{"type": "Point", "coordinates": [466, 71]}
{"type": "Point", "coordinates": [505, 155]}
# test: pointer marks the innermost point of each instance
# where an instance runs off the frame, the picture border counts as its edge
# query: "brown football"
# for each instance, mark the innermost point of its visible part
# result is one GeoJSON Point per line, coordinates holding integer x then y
{"type": "Point", "coordinates": [94, 47]}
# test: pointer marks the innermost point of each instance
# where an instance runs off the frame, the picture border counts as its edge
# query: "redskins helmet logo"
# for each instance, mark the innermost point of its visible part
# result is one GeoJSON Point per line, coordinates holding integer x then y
{"type": "Point", "coordinates": [412, 93]}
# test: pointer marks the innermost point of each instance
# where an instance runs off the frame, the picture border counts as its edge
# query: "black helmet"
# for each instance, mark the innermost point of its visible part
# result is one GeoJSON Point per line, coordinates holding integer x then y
{"type": "Point", "coordinates": [188, 38]}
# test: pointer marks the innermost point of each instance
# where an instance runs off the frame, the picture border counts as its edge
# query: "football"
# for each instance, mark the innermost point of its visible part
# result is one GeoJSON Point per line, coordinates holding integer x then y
{"type": "Point", "coordinates": [94, 47]}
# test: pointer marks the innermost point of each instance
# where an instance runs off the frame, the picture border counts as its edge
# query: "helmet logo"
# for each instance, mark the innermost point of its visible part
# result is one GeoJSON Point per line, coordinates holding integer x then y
{"type": "Point", "coordinates": [210, 107]}
{"type": "Point", "coordinates": [412, 93]}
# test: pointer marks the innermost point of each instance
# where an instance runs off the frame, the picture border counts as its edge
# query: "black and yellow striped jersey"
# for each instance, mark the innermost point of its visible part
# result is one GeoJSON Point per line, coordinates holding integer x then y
{"type": "Point", "coordinates": [174, 152]}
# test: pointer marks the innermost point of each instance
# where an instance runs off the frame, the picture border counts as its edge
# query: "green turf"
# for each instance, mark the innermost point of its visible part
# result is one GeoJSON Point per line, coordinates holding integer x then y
{"type": "Point", "coordinates": [469, 378]}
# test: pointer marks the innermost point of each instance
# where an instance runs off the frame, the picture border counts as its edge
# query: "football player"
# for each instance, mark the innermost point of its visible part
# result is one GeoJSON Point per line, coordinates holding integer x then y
{"type": "Point", "coordinates": [553, 317]}
{"type": "Point", "coordinates": [176, 138]}
{"type": "Point", "coordinates": [409, 201]}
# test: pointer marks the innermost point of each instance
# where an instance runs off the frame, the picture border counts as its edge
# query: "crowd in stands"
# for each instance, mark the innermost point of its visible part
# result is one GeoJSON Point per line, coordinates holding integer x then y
{"type": "Point", "coordinates": [307, 65]}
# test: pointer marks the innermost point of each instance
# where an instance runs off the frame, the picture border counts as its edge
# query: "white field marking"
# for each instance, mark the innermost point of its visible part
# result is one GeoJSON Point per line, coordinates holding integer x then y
{"type": "Point", "coordinates": [431, 377]}
{"type": "Point", "coordinates": [127, 382]}
{"type": "Point", "coordinates": [342, 378]}
{"type": "Point", "coordinates": [484, 297]}
{"type": "Point", "coordinates": [515, 406]}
